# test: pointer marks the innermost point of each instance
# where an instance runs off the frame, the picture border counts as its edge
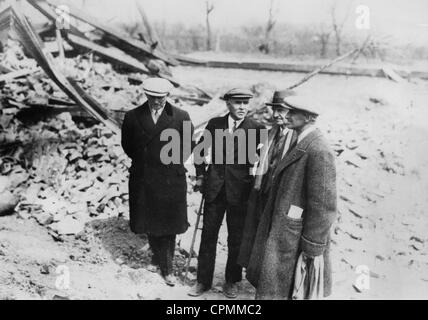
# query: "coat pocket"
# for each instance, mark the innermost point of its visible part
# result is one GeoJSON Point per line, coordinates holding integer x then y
{"type": "Point", "coordinates": [284, 213]}
{"type": "Point", "coordinates": [289, 242]}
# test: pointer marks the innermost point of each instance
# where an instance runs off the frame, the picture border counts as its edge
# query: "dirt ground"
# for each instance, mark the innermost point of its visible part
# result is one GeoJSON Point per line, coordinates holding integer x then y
{"type": "Point", "coordinates": [379, 129]}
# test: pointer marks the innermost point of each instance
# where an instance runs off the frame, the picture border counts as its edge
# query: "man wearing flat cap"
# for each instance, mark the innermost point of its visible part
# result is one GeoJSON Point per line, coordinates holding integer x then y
{"type": "Point", "coordinates": [290, 258]}
{"type": "Point", "coordinates": [157, 190]}
{"type": "Point", "coordinates": [280, 141]}
{"type": "Point", "coordinates": [226, 187]}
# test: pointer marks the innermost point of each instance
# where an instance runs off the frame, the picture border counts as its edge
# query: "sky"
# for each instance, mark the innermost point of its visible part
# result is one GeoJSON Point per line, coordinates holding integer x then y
{"type": "Point", "coordinates": [405, 20]}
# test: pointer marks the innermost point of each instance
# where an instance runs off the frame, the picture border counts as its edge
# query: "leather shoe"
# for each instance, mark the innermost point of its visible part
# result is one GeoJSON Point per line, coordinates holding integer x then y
{"type": "Point", "coordinates": [230, 290]}
{"type": "Point", "coordinates": [169, 280]}
{"type": "Point", "coordinates": [153, 268]}
{"type": "Point", "coordinates": [198, 290]}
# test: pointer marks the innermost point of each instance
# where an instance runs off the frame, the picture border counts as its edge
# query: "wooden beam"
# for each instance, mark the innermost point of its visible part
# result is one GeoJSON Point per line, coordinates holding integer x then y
{"type": "Point", "coordinates": [17, 74]}
{"type": "Point", "coordinates": [322, 68]}
{"type": "Point", "coordinates": [51, 15]}
{"type": "Point", "coordinates": [32, 43]}
{"type": "Point", "coordinates": [131, 46]}
{"type": "Point", "coordinates": [113, 55]}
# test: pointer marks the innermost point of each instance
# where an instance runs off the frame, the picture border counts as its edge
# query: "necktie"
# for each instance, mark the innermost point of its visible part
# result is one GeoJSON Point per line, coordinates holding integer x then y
{"type": "Point", "coordinates": [156, 116]}
{"type": "Point", "coordinates": [235, 126]}
{"type": "Point", "coordinates": [278, 148]}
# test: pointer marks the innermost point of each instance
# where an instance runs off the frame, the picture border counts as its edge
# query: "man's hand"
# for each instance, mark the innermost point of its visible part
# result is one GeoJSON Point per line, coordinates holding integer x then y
{"type": "Point", "coordinates": [199, 185]}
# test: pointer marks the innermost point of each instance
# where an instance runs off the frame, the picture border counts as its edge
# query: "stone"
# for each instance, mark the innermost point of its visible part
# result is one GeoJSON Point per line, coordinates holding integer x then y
{"type": "Point", "coordinates": [68, 226]}
{"type": "Point", "coordinates": [44, 269]}
{"type": "Point", "coordinates": [8, 202]}
{"type": "Point", "coordinates": [4, 184]}
{"type": "Point", "coordinates": [44, 218]}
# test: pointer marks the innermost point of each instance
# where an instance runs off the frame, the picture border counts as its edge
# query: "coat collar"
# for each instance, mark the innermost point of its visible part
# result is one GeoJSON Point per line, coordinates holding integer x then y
{"type": "Point", "coordinates": [245, 124]}
{"type": "Point", "coordinates": [147, 125]}
{"type": "Point", "coordinates": [297, 152]}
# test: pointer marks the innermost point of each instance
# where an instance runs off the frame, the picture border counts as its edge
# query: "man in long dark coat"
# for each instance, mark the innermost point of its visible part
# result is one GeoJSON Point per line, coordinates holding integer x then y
{"type": "Point", "coordinates": [157, 191]}
{"type": "Point", "coordinates": [296, 223]}
{"type": "Point", "coordinates": [226, 189]}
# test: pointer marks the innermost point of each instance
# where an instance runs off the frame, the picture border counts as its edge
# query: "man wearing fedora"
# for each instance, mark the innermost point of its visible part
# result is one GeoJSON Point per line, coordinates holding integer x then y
{"type": "Point", "coordinates": [290, 257]}
{"type": "Point", "coordinates": [226, 187]}
{"type": "Point", "coordinates": [157, 191]}
{"type": "Point", "coordinates": [280, 140]}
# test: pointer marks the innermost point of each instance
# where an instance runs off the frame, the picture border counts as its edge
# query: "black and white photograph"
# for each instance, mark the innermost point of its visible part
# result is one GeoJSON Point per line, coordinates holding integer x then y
{"type": "Point", "coordinates": [227, 151]}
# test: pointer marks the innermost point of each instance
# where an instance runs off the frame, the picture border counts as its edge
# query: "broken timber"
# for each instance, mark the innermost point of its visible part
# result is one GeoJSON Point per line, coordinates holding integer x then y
{"type": "Point", "coordinates": [298, 67]}
{"type": "Point", "coordinates": [143, 64]}
{"type": "Point", "coordinates": [322, 68]}
{"type": "Point", "coordinates": [17, 74]}
{"type": "Point", "coordinates": [29, 39]}
{"type": "Point", "coordinates": [133, 47]}
{"type": "Point", "coordinates": [52, 16]}
{"type": "Point", "coordinates": [116, 56]}
{"type": "Point", "coordinates": [111, 54]}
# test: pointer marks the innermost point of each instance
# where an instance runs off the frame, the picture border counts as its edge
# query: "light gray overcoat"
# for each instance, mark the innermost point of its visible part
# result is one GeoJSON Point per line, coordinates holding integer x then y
{"type": "Point", "coordinates": [305, 178]}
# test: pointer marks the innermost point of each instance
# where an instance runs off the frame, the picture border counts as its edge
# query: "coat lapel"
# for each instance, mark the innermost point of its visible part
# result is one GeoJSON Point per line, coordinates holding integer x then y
{"type": "Point", "coordinates": [245, 124]}
{"type": "Point", "coordinates": [164, 120]}
{"type": "Point", "coordinates": [145, 120]}
{"type": "Point", "coordinates": [148, 127]}
{"type": "Point", "coordinates": [297, 152]}
{"type": "Point", "coordinates": [225, 122]}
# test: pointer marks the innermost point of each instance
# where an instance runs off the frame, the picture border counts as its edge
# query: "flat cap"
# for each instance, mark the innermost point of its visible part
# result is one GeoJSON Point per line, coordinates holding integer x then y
{"type": "Point", "coordinates": [238, 93]}
{"type": "Point", "coordinates": [303, 103]}
{"type": "Point", "coordinates": [157, 87]}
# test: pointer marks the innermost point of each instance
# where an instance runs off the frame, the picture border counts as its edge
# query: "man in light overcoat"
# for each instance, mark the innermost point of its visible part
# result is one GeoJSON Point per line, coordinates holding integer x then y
{"type": "Point", "coordinates": [299, 213]}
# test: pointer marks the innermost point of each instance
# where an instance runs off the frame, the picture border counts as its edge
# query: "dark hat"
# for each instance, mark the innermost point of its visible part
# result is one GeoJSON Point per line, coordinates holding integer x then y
{"type": "Point", "coordinates": [303, 103]}
{"type": "Point", "coordinates": [279, 99]}
{"type": "Point", "coordinates": [238, 93]}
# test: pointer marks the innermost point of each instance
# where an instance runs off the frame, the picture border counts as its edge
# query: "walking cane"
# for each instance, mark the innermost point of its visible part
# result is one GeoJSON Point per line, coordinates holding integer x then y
{"type": "Point", "coordinates": [194, 237]}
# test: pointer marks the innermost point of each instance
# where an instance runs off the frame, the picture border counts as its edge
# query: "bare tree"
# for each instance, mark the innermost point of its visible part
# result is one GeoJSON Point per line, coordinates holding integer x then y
{"type": "Point", "coordinates": [338, 27]}
{"type": "Point", "coordinates": [209, 6]}
{"type": "Point", "coordinates": [265, 47]}
{"type": "Point", "coordinates": [323, 36]}
{"type": "Point", "coordinates": [151, 33]}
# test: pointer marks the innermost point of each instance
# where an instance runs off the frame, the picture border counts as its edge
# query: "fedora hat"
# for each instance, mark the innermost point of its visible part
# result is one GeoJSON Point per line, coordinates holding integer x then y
{"type": "Point", "coordinates": [279, 97]}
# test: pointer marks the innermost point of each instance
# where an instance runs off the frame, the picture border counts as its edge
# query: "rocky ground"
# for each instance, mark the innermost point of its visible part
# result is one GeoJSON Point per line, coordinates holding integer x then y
{"type": "Point", "coordinates": [376, 126]}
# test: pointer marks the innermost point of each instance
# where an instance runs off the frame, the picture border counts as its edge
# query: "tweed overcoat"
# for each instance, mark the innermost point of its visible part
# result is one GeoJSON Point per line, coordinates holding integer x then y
{"type": "Point", "coordinates": [305, 178]}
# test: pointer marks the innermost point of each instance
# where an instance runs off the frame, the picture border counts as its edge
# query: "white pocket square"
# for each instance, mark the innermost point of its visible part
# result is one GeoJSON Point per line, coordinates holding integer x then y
{"type": "Point", "coordinates": [295, 212]}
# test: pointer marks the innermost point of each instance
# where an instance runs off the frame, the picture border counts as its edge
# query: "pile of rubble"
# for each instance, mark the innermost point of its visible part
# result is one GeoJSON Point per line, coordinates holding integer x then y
{"type": "Point", "coordinates": [61, 162]}
{"type": "Point", "coordinates": [59, 165]}
{"type": "Point", "coordinates": [63, 175]}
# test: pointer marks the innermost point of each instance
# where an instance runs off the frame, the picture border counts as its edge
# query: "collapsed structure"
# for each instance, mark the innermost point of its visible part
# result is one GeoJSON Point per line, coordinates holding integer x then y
{"type": "Point", "coordinates": [128, 53]}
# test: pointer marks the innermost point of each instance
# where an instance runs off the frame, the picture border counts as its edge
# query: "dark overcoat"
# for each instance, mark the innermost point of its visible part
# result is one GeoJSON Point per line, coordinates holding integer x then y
{"type": "Point", "coordinates": [157, 192]}
{"type": "Point", "coordinates": [305, 178]}
{"type": "Point", "coordinates": [256, 204]}
{"type": "Point", "coordinates": [236, 178]}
